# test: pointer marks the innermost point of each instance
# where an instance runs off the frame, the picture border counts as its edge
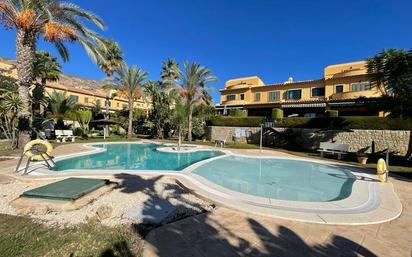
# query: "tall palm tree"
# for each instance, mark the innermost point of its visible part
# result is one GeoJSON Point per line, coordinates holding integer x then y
{"type": "Point", "coordinates": [112, 57]}
{"type": "Point", "coordinates": [112, 61]}
{"type": "Point", "coordinates": [57, 22]}
{"type": "Point", "coordinates": [169, 74]}
{"type": "Point", "coordinates": [46, 69]}
{"type": "Point", "coordinates": [129, 81]}
{"type": "Point", "coordinates": [193, 83]}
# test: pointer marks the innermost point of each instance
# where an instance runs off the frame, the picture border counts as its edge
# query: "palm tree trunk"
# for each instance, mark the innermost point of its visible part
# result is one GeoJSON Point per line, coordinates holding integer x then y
{"type": "Point", "coordinates": [106, 116]}
{"type": "Point", "coordinates": [25, 48]}
{"type": "Point", "coordinates": [179, 142]}
{"type": "Point", "coordinates": [189, 127]}
{"type": "Point", "coordinates": [130, 128]}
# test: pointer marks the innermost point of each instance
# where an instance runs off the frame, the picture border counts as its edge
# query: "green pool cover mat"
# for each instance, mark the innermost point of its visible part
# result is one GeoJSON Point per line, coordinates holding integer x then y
{"type": "Point", "coordinates": [67, 189]}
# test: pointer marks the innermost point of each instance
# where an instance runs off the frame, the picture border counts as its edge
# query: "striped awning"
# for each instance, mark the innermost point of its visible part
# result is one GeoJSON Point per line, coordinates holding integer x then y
{"type": "Point", "coordinates": [303, 105]}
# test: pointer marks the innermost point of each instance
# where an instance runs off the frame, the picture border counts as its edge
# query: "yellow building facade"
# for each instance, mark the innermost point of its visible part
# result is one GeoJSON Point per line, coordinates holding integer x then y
{"type": "Point", "coordinates": [339, 89]}
{"type": "Point", "coordinates": [87, 93]}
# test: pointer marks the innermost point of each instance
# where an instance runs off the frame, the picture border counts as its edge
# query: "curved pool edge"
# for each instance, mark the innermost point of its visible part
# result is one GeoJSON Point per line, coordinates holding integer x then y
{"type": "Point", "coordinates": [379, 205]}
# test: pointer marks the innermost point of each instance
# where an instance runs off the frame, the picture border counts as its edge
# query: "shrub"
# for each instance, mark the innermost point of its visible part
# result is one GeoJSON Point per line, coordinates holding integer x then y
{"type": "Point", "coordinates": [348, 122]}
{"type": "Point", "coordinates": [235, 121]}
{"type": "Point", "coordinates": [332, 113]}
{"type": "Point", "coordinates": [277, 114]}
{"type": "Point", "coordinates": [237, 113]}
{"type": "Point", "coordinates": [198, 129]}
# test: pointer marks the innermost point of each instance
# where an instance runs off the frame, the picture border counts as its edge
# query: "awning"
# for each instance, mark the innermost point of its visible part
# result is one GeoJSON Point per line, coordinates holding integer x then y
{"type": "Point", "coordinates": [303, 105]}
{"type": "Point", "coordinates": [222, 107]}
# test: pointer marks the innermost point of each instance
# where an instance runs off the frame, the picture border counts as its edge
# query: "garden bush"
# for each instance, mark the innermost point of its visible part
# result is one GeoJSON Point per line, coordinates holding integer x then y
{"type": "Point", "coordinates": [237, 113]}
{"type": "Point", "coordinates": [347, 122]}
{"type": "Point", "coordinates": [332, 113]}
{"type": "Point", "coordinates": [277, 114]}
{"type": "Point", "coordinates": [235, 121]}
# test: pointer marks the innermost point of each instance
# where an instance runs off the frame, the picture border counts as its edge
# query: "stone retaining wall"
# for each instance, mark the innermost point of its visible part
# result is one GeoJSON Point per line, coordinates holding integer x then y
{"type": "Point", "coordinates": [396, 140]}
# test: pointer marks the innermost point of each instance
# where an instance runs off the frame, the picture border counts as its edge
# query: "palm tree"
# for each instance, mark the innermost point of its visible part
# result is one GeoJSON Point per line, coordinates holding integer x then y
{"type": "Point", "coordinates": [112, 57]}
{"type": "Point", "coordinates": [169, 74]}
{"type": "Point", "coordinates": [57, 22]}
{"type": "Point", "coordinates": [130, 81]}
{"type": "Point", "coordinates": [179, 119]}
{"type": "Point", "coordinates": [62, 107]}
{"type": "Point", "coordinates": [112, 61]}
{"type": "Point", "coordinates": [391, 72]}
{"type": "Point", "coordinates": [46, 68]}
{"type": "Point", "coordinates": [193, 84]}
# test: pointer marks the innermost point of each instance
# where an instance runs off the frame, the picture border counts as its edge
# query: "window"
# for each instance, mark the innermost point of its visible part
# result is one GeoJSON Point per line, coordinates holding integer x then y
{"type": "Point", "coordinates": [98, 103]}
{"type": "Point", "coordinates": [318, 91]}
{"type": "Point", "coordinates": [274, 96]}
{"type": "Point", "coordinates": [86, 100]}
{"type": "Point", "coordinates": [242, 96]}
{"type": "Point", "coordinates": [293, 94]}
{"type": "Point", "coordinates": [117, 105]}
{"type": "Point", "coordinates": [257, 97]}
{"type": "Point", "coordinates": [339, 89]}
{"type": "Point", "coordinates": [230, 97]}
{"type": "Point", "coordinates": [361, 86]}
{"type": "Point", "coordinates": [124, 106]}
{"type": "Point", "coordinates": [74, 98]}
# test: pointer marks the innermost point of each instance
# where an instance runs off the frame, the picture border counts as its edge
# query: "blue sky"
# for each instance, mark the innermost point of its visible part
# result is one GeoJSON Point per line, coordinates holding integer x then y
{"type": "Point", "coordinates": [235, 38]}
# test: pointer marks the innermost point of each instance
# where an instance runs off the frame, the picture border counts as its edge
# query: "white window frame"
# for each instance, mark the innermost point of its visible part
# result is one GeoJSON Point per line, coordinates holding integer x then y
{"type": "Point", "coordinates": [361, 89]}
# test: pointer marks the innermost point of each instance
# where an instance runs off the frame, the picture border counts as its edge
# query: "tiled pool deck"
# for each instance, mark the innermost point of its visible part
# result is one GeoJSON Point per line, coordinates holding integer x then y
{"type": "Point", "coordinates": [230, 232]}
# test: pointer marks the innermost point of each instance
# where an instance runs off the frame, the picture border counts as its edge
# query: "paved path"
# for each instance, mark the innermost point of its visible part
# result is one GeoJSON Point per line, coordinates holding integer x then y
{"type": "Point", "coordinates": [225, 232]}
{"type": "Point", "coordinates": [9, 165]}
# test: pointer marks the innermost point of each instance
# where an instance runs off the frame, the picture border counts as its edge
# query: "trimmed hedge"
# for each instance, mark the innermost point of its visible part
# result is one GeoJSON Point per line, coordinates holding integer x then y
{"type": "Point", "coordinates": [332, 113]}
{"type": "Point", "coordinates": [277, 114]}
{"type": "Point", "coordinates": [347, 122]}
{"type": "Point", "coordinates": [226, 121]}
{"type": "Point", "coordinates": [237, 113]}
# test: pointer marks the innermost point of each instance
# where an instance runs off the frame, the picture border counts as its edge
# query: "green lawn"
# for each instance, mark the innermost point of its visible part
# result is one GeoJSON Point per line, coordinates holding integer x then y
{"type": "Point", "coordinates": [20, 236]}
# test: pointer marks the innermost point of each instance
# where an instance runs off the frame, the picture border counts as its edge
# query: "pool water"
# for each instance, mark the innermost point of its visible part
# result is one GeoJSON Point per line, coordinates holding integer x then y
{"type": "Point", "coordinates": [133, 157]}
{"type": "Point", "coordinates": [281, 179]}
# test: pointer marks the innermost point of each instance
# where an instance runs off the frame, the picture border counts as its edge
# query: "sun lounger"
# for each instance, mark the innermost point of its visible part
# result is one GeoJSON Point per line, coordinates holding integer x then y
{"type": "Point", "coordinates": [63, 135]}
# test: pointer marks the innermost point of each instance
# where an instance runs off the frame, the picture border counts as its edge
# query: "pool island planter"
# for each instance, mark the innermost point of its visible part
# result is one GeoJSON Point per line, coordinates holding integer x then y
{"type": "Point", "coordinates": [369, 203]}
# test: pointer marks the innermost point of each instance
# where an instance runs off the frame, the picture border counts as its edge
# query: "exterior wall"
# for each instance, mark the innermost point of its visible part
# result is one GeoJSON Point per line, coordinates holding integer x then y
{"type": "Point", "coordinates": [8, 68]}
{"type": "Point", "coordinates": [396, 140]}
{"type": "Point", "coordinates": [340, 74]}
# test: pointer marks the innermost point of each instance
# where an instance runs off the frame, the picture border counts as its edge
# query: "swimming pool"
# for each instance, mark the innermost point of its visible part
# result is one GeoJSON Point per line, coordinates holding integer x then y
{"type": "Point", "coordinates": [133, 157]}
{"type": "Point", "coordinates": [281, 179]}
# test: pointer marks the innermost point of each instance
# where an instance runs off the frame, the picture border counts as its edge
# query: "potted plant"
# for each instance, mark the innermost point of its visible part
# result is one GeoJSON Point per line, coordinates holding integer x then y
{"type": "Point", "coordinates": [362, 155]}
